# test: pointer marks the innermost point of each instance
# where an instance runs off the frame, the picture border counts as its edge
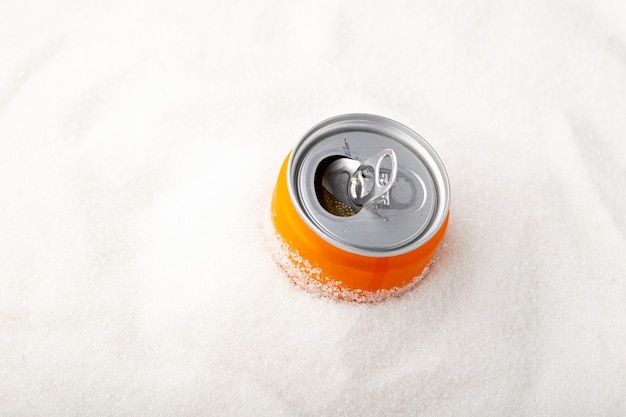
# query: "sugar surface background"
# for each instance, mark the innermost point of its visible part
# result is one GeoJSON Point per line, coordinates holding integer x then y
{"type": "Point", "coordinates": [139, 143]}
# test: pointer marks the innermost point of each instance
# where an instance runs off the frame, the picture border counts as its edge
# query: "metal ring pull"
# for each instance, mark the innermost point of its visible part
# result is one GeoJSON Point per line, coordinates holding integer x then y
{"type": "Point", "coordinates": [370, 182]}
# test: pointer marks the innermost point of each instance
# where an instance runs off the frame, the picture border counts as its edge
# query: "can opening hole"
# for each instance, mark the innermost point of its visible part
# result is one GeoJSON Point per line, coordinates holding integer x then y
{"type": "Point", "coordinates": [332, 201]}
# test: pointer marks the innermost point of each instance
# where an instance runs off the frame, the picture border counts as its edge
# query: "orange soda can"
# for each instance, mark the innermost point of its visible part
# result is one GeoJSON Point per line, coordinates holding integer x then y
{"type": "Point", "coordinates": [361, 205]}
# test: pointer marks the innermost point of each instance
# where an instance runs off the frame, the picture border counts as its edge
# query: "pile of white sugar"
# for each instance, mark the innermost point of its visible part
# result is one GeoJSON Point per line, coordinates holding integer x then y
{"type": "Point", "coordinates": [139, 145]}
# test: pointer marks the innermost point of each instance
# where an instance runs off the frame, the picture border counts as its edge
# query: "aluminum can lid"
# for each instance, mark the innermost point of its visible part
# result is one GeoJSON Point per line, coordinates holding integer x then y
{"type": "Point", "coordinates": [368, 185]}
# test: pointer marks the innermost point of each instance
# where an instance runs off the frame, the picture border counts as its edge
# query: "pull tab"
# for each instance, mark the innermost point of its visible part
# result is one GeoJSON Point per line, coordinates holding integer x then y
{"type": "Point", "coordinates": [348, 185]}
{"type": "Point", "coordinates": [368, 183]}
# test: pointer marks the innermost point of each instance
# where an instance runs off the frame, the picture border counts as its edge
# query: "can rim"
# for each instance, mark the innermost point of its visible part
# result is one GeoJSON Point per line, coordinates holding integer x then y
{"type": "Point", "coordinates": [438, 174]}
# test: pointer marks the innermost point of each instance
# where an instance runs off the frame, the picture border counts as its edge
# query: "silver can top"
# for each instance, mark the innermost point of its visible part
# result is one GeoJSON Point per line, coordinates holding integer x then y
{"type": "Point", "coordinates": [368, 185]}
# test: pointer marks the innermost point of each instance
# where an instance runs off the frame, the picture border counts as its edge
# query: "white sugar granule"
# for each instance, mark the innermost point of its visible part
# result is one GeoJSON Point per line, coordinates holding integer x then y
{"type": "Point", "coordinates": [313, 280]}
{"type": "Point", "coordinates": [139, 145]}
